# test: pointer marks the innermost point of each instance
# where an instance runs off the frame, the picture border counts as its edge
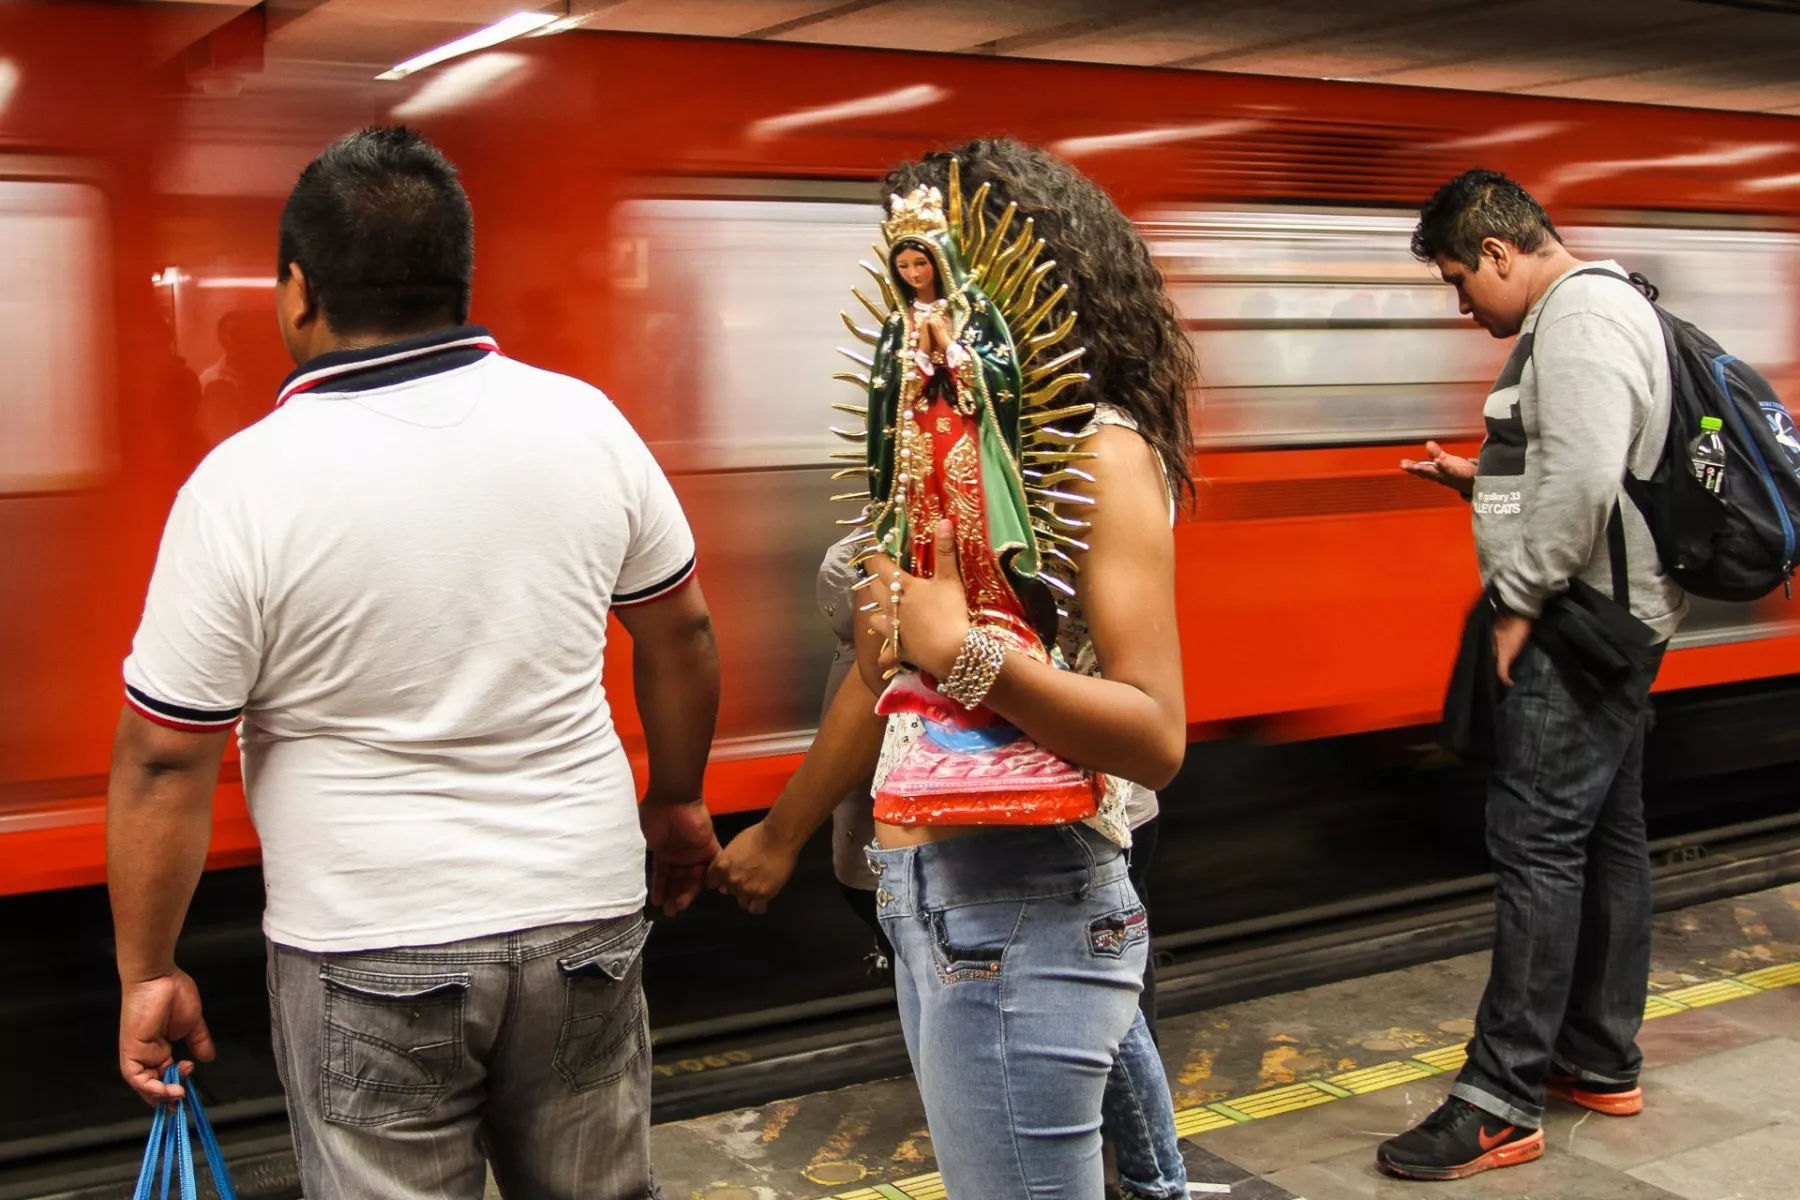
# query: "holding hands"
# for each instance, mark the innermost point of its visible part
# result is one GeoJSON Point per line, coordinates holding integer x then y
{"type": "Point", "coordinates": [755, 866]}
{"type": "Point", "coordinates": [682, 845]}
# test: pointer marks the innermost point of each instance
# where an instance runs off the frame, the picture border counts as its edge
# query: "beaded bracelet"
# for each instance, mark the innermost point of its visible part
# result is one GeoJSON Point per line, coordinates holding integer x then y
{"type": "Point", "coordinates": [976, 668]}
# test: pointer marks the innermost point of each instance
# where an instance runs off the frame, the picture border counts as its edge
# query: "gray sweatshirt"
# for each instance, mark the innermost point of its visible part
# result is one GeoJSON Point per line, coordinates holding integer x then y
{"type": "Point", "coordinates": [1583, 398]}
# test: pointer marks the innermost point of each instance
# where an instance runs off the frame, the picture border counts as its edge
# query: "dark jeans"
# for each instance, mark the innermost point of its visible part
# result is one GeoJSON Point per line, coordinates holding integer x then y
{"type": "Point", "coordinates": [1133, 1117]}
{"type": "Point", "coordinates": [862, 902]}
{"type": "Point", "coordinates": [1572, 903]}
{"type": "Point", "coordinates": [409, 1071]}
{"type": "Point", "coordinates": [1138, 860]}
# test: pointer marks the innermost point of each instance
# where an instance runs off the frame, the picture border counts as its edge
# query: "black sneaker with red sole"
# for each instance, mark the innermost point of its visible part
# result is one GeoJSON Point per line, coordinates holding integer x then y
{"type": "Point", "coordinates": [1456, 1141]}
{"type": "Point", "coordinates": [1612, 1099]}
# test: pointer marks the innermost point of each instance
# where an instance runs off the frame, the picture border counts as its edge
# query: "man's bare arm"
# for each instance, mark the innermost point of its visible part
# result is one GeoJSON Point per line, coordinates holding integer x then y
{"type": "Point", "coordinates": [158, 825]}
{"type": "Point", "coordinates": [675, 674]}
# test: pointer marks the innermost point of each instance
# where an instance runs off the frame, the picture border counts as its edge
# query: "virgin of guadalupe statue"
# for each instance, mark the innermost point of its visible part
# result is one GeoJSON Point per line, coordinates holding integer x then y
{"type": "Point", "coordinates": [960, 426]}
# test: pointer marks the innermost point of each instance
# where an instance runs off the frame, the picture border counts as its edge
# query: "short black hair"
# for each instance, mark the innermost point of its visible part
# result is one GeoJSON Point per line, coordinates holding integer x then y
{"type": "Point", "coordinates": [1473, 207]}
{"type": "Point", "coordinates": [382, 229]}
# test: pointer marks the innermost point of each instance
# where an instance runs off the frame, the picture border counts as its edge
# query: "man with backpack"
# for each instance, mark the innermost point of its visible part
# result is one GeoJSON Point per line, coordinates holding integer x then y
{"type": "Point", "coordinates": [1581, 610]}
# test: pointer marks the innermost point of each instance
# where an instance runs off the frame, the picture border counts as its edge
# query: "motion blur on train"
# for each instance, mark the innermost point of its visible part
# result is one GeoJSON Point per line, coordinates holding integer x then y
{"type": "Point", "coordinates": [679, 222]}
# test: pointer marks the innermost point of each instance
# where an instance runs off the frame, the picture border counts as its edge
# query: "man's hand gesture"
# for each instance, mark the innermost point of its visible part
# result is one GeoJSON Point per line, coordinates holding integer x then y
{"type": "Point", "coordinates": [1455, 473]}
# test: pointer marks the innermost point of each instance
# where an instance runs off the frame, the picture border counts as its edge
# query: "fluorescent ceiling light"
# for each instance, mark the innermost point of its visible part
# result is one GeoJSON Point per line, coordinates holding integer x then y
{"type": "Point", "coordinates": [1512, 135]}
{"type": "Point", "coordinates": [1771, 183]}
{"type": "Point", "coordinates": [9, 79]}
{"type": "Point", "coordinates": [482, 77]}
{"type": "Point", "coordinates": [919, 95]}
{"type": "Point", "coordinates": [235, 281]}
{"type": "Point", "coordinates": [1742, 154]}
{"type": "Point", "coordinates": [563, 24]}
{"type": "Point", "coordinates": [481, 39]}
{"type": "Point", "coordinates": [1103, 143]}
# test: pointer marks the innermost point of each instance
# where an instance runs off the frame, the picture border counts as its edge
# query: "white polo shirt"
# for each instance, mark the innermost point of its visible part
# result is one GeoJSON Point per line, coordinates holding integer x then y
{"type": "Point", "coordinates": [399, 580]}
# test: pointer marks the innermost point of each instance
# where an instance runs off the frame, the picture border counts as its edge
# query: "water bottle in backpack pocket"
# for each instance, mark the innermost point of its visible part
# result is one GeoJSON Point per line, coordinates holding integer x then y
{"type": "Point", "coordinates": [1707, 454]}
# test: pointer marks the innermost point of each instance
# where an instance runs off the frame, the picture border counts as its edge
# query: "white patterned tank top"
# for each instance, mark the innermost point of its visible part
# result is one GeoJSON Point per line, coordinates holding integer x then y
{"type": "Point", "coordinates": [1126, 805]}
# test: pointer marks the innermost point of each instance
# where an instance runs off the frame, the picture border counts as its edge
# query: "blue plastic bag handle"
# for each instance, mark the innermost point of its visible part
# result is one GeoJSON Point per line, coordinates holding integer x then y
{"type": "Point", "coordinates": [171, 1148]}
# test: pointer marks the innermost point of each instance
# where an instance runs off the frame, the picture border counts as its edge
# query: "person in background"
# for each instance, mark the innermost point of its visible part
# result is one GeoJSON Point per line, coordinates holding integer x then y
{"type": "Point", "coordinates": [224, 407]}
{"type": "Point", "coordinates": [1583, 398]}
{"type": "Point", "coordinates": [399, 583]}
{"type": "Point", "coordinates": [180, 397]}
{"type": "Point", "coordinates": [544, 334]}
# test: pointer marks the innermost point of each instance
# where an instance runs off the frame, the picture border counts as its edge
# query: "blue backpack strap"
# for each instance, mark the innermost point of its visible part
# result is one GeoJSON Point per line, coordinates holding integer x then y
{"type": "Point", "coordinates": [209, 1144]}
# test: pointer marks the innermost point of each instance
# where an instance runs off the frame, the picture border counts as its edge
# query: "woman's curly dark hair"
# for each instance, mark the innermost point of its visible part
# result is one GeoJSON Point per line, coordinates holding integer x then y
{"type": "Point", "coordinates": [1138, 356]}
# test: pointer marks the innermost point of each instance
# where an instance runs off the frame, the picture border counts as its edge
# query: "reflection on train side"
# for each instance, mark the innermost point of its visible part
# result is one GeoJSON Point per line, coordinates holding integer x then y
{"type": "Point", "coordinates": [741, 298]}
{"type": "Point", "coordinates": [732, 333]}
{"type": "Point", "coordinates": [1313, 328]}
{"type": "Point", "coordinates": [1321, 329]}
{"type": "Point", "coordinates": [1317, 328]}
{"type": "Point", "coordinates": [55, 280]}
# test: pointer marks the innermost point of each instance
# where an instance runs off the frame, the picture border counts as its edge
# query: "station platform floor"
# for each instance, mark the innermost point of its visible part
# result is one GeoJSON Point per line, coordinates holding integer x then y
{"type": "Point", "coordinates": [1285, 1097]}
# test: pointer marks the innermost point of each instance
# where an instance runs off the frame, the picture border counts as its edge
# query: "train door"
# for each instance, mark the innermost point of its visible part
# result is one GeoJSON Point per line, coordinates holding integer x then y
{"type": "Point", "coordinates": [89, 399]}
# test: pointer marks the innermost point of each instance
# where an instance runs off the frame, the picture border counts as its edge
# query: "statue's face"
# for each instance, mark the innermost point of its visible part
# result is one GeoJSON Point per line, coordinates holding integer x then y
{"type": "Point", "coordinates": [916, 271]}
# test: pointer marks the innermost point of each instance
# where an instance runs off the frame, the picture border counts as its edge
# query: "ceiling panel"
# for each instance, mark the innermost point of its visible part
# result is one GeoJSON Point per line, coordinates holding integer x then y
{"type": "Point", "coordinates": [702, 18]}
{"type": "Point", "coordinates": [943, 25]}
{"type": "Point", "coordinates": [1689, 52]}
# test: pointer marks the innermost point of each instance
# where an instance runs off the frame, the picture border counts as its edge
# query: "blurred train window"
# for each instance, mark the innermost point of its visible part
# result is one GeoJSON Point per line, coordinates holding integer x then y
{"type": "Point", "coordinates": [734, 329]}
{"type": "Point", "coordinates": [1736, 284]}
{"type": "Point", "coordinates": [53, 320]}
{"type": "Point", "coordinates": [1317, 328]}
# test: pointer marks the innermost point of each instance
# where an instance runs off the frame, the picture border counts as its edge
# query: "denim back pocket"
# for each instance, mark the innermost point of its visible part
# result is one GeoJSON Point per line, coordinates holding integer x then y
{"type": "Point", "coordinates": [1115, 933]}
{"type": "Point", "coordinates": [393, 1042]}
{"type": "Point", "coordinates": [604, 1030]}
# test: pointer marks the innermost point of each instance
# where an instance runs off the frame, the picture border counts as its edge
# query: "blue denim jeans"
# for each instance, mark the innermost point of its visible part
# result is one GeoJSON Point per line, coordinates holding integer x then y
{"type": "Point", "coordinates": [1136, 1117]}
{"type": "Point", "coordinates": [1018, 958]}
{"type": "Point", "coordinates": [410, 1071]}
{"type": "Point", "coordinates": [1572, 903]}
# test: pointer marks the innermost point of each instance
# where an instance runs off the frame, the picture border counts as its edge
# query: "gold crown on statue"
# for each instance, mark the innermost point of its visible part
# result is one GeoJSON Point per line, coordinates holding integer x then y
{"type": "Point", "coordinates": [919, 215]}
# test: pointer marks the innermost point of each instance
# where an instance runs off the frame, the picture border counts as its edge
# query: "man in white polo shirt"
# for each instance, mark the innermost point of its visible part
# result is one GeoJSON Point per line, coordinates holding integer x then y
{"type": "Point", "coordinates": [399, 581]}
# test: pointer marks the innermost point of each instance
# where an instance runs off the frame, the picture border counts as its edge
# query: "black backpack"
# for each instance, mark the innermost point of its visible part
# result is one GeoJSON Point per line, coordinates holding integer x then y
{"type": "Point", "coordinates": [1739, 544]}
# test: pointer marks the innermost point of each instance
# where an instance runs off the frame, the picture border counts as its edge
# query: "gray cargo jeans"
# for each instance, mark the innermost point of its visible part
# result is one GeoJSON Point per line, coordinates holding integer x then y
{"type": "Point", "coordinates": [409, 1070]}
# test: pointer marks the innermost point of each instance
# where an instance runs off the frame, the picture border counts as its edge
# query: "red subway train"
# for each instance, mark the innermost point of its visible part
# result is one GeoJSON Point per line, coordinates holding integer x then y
{"type": "Point", "coordinates": [679, 222]}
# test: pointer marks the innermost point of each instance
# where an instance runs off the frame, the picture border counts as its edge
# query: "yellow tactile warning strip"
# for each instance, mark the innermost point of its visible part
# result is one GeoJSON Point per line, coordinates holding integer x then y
{"type": "Point", "coordinates": [1255, 1106]}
